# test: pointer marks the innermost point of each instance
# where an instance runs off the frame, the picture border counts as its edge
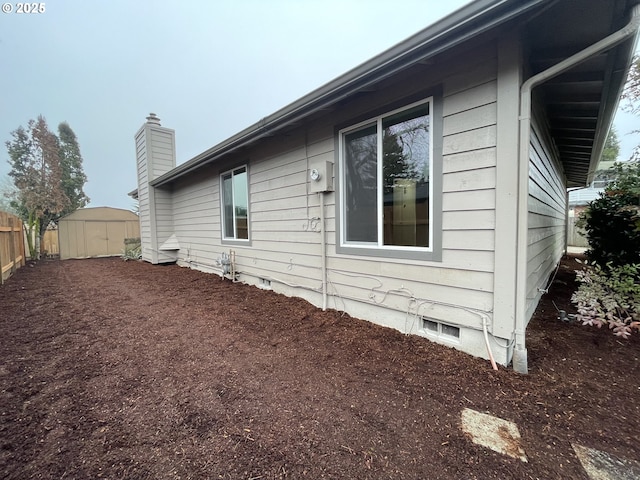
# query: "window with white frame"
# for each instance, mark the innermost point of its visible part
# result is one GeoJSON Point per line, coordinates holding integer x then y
{"type": "Point", "coordinates": [386, 181]}
{"type": "Point", "coordinates": [235, 204]}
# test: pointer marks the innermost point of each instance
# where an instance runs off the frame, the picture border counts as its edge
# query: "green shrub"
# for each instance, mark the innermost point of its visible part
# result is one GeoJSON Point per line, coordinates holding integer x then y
{"type": "Point", "coordinates": [132, 249]}
{"type": "Point", "coordinates": [612, 221]}
{"type": "Point", "coordinates": [610, 297]}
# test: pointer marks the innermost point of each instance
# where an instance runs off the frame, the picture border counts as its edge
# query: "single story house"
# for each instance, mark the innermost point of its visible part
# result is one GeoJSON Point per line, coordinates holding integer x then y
{"type": "Point", "coordinates": [424, 190]}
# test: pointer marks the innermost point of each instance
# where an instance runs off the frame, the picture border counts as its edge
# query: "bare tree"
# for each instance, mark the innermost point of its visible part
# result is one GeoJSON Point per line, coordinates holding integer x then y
{"type": "Point", "coordinates": [34, 156]}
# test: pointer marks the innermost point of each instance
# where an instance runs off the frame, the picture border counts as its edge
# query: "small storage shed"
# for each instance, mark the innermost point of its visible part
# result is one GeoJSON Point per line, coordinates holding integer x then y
{"type": "Point", "coordinates": [96, 232]}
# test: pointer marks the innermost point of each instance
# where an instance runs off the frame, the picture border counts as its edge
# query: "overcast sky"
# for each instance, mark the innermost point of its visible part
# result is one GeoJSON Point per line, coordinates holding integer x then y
{"type": "Point", "coordinates": [208, 69]}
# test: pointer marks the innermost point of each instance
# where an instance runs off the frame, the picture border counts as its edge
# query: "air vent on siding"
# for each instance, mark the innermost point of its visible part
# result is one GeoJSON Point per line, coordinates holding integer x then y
{"type": "Point", "coordinates": [441, 330]}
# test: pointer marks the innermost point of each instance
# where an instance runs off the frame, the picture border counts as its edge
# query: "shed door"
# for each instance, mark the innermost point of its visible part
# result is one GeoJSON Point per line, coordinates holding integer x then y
{"type": "Point", "coordinates": [72, 243]}
{"type": "Point", "coordinates": [115, 237]}
{"type": "Point", "coordinates": [96, 238]}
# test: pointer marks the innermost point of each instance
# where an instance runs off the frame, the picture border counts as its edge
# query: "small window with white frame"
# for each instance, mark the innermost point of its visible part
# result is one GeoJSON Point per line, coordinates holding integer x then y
{"type": "Point", "coordinates": [235, 204]}
{"type": "Point", "coordinates": [386, 182]}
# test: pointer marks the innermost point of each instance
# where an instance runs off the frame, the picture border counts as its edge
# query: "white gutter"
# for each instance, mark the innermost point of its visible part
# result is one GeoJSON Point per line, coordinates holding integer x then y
{"type": "Point", "coordinates": [520, 352]}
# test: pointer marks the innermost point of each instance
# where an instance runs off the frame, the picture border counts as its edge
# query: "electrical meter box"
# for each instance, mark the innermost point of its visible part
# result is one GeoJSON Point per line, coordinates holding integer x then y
{"type": "Point", "coordinates": [321, 176]}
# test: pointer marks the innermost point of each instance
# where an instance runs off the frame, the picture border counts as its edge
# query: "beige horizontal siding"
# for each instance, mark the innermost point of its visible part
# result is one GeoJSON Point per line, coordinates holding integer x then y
{"type": "Point", "coordinates": [469, 180]}
{"type": "Point", "coordinates": [477, 139]}
{"type": "Point", "coordinates": [196, 219]}
{"type": "Point", "coordinates": [461, 220]}
{"type": "Point", "coordinates": [547, 217]}
{"type": "Point", "coordinates": [471, 119]}
{"type": "Point", "coordinates": [144, 208]}
{"type": "Point", "coordinates": [284, 233]}
{"type": "Point", "coordinates": [479, 179]}
{"type": "Point", "coordinates": [419, 274]}
{"type": "Point", "coordinates": [471, 98]}
{"type": "Point", "coordinates": [469, 201]}
{"type": "Point", "coordinates": [471, 160]}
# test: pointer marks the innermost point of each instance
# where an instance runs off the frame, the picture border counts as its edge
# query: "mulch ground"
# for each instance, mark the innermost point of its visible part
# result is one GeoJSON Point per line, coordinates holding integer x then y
{"type": "Point", "coordinates": [113, 369]}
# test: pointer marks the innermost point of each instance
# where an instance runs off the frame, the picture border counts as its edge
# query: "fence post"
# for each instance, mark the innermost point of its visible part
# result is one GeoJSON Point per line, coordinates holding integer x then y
{"type": "Point", "coordinates": [12, 246]}
{"type": "Point", "coordinates": [1, 261]}
{"type": "Point", "coordinates": [10, 251]}
{"type": "Point", "coordinates": [23, 252]}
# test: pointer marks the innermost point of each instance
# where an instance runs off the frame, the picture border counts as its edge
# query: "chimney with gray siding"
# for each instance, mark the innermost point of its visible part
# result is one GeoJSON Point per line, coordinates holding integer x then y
{"type": "Point", "coordinates": [155, 156]}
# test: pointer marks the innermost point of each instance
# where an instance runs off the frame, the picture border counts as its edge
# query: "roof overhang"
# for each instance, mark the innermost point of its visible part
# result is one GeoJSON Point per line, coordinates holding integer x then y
{"type": "Point", "coordinates": [461, 26]}
{"type": "Point", "coordinates": [579, 106]}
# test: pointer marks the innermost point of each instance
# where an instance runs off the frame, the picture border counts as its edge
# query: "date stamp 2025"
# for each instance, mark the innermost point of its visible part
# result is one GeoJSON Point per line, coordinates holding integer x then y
{"type": "Point", "coordinates": [26, 8]}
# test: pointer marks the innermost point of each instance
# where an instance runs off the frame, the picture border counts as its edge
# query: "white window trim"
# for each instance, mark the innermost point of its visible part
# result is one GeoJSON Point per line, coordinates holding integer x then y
{"type": "Point", "coordinates": [380, 191]}
{"type": "Point", "coordinates": [224, 238]}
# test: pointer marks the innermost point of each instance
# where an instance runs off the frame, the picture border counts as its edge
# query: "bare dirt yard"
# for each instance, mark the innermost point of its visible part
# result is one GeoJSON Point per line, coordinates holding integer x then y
{"type": "Point", "coordinates": [113, 369]}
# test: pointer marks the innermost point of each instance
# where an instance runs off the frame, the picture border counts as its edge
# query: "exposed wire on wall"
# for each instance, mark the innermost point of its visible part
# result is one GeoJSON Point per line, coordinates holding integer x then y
{"type": "Point", "coordinates": [419, 303]}
{"type": "Point", "coordinates": [311, 225]}
{"type": "Point", "coordinates": [553, 278]}
{"type": "Point", "coordinates": [413, 302]}
{"type": "Point", "coordinates": [283, 282]}
{"type": "Point", "coordinates": [415, 305]}
{"type": "Point", "coordinates": [409, 293]}
{"type": "Point", "coordinates": [358, 275]}
{"type": "Point", "coordinates": [372, 295]}
{"type": "Point", "coordinates": [337, 294]}
{"type": "Point", "coordinates": [204, 264]}
{"type": "Point", "coordinates": [508, 345]}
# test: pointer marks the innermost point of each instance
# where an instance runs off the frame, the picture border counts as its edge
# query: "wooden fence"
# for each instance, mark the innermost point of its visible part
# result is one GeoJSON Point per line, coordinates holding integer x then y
{"type": "Point", "coordinates": [575, 235]}
{"type": "Point", "coordinates": [12, 254]}
{"type": "Point", "coordinates": [51, 243]}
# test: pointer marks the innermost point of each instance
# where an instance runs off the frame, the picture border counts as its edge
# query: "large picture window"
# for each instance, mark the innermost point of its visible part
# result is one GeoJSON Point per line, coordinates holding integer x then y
{"type": "Point", "coordinates": [386, 187]}
{"type": "Point", "coordinates": [235, 204]}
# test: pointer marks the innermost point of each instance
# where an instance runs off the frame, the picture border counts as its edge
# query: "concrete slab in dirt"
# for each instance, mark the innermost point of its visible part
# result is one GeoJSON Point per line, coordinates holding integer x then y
{"type": "Point", "coordinates": [492, 432]}
{"type": "Point", "coordinates": [603, 466]}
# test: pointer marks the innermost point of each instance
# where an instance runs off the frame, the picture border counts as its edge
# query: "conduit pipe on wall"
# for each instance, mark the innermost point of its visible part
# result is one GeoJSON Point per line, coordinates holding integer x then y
{"type": "Point", "coordinates": [323, 253]}
{"type": "Point", "coordinates": [486, 341]}
{"type": "Point", "coordinates": [626, 32]}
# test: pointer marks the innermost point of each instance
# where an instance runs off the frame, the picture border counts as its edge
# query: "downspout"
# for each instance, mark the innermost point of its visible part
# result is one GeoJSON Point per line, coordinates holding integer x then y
{"type": "Point", "coordinates": [520, 352]}
{"type": "Point", "coordinates": [566, 223]}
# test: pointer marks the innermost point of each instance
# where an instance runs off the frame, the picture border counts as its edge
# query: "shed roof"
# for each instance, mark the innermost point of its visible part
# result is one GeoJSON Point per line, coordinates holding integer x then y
{"type": "Point", "coordinates": [579, 105]}
{"type": "Point", "coordinates": [100, 214]}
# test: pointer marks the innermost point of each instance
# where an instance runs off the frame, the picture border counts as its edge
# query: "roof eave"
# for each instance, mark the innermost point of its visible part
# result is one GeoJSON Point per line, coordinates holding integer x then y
{"type": "Point", "coordinates": [460, 26]}
{"type": "Point", "coordinates": [610, 105]}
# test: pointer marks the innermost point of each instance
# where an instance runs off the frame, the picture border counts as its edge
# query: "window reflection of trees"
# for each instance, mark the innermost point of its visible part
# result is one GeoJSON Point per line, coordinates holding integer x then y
{"type": "Point", "coordinates": [361, 188]}
{"type": "Point", "coordinates": [405, 180]}
{"type": "Point", "coordinates": [406, 151]}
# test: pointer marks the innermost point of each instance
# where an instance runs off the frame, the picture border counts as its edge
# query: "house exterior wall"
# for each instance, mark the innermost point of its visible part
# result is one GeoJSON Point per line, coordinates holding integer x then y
{"type": "Point", "coordinates": [144, 205]}
{"type": "Point", "coordinates": [284, 252]}
{"type": "Point", "coordinates": [547, 216]}
{"type": "Point", "coordinates": [196, 220]}
{"type": "Point", "coordinates": [494, 181]}
{"type": "Point", "coordinates": [164, 222]}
